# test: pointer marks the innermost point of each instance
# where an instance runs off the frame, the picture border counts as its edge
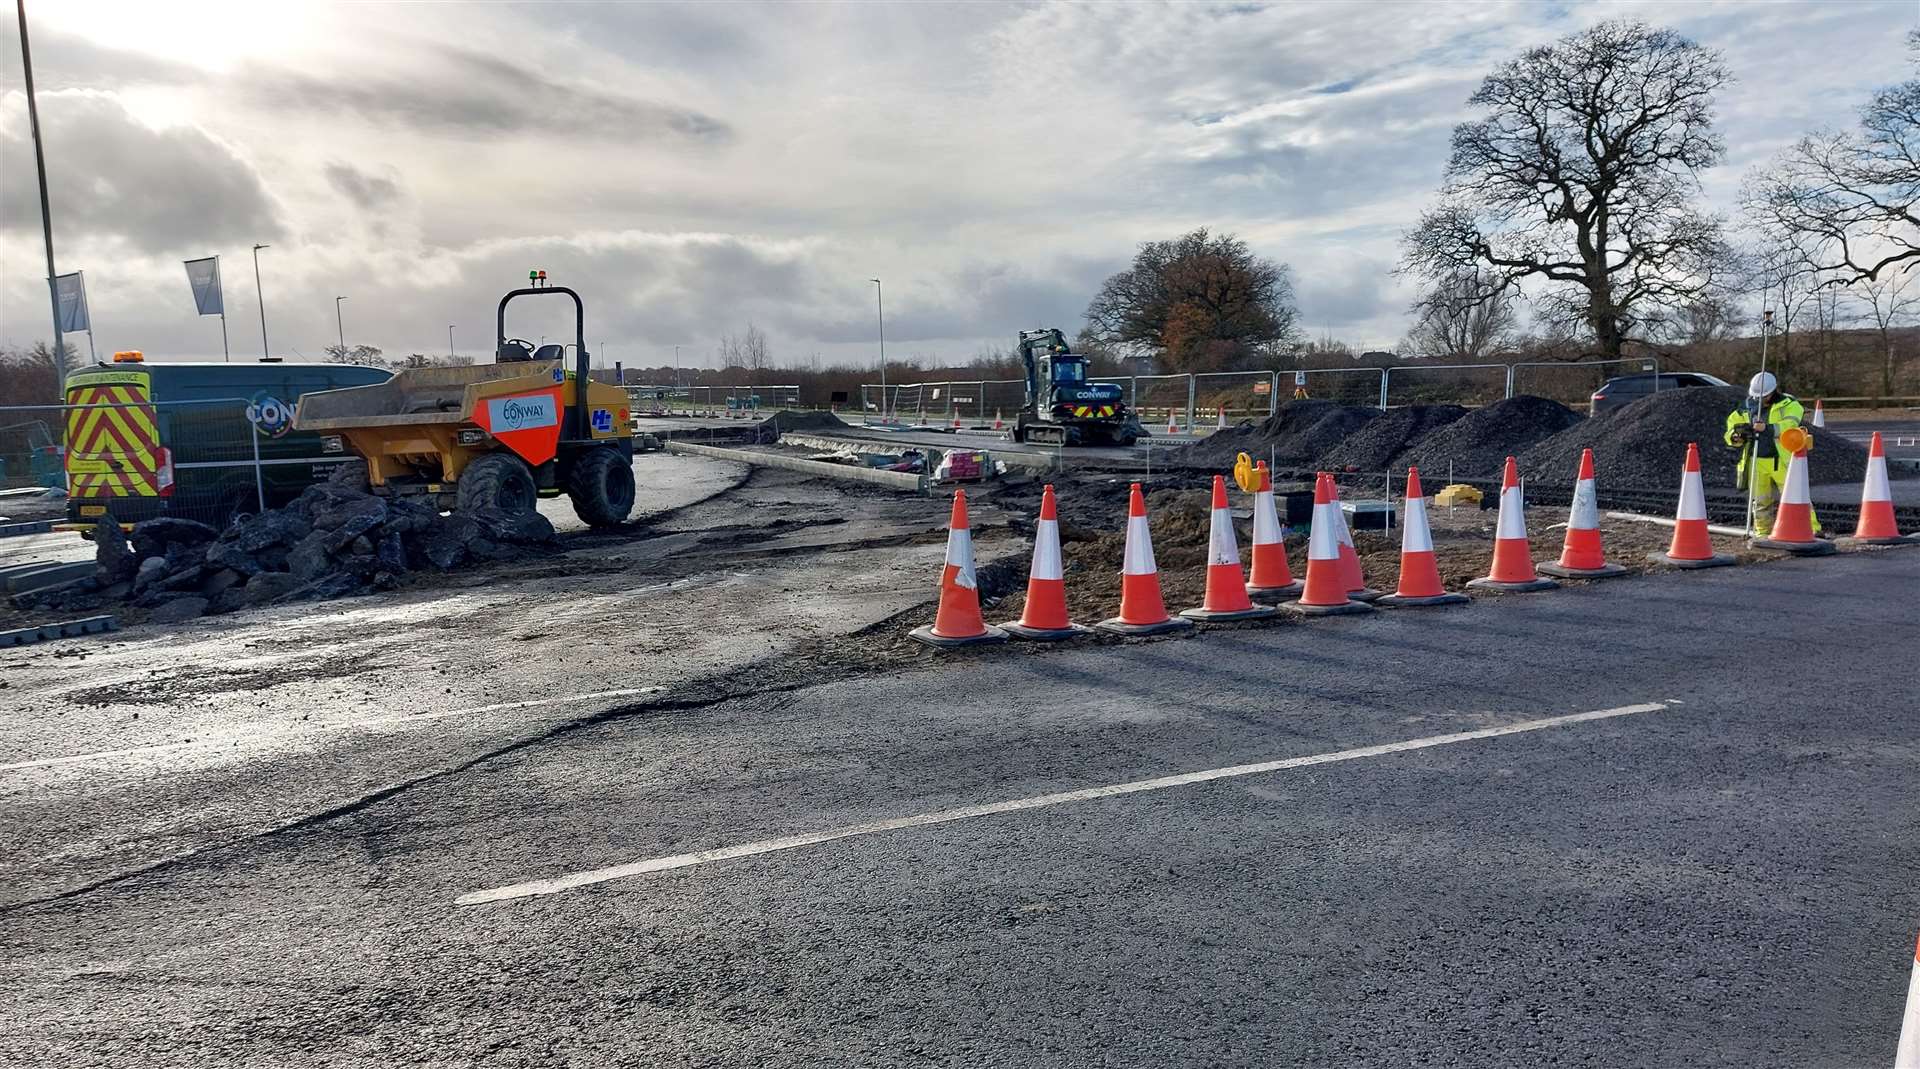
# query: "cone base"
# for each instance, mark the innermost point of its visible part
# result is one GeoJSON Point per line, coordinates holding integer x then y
{"type": "Point", "coordinates": [1367, 594]}
{"type": "Point", "coordinates": [1718, 560]}
{"type": "Point", "coordinates": [1342, 609]}
{"type": "Point", "coordinates": [1501, 586]}
{"type": "Point", "coordinates": [1819, 547]}
{"type": "Point", "coordinates": [1561, 571]}
{"type": "Point", "coordinates": [1258, 612]}
{"type": "Point", "coordinates": [1021, 631]}
{"type": "Point", "coordinates": [1403, 601]}
{"type": "Point", "coordinates": [1893, 540]}
{"type": "Point", "coordinates": [1273, 594]}
{"type": "Point", "coordinates": [926, 635]}
{"type": "Point", "coordinates": [1117, 626]}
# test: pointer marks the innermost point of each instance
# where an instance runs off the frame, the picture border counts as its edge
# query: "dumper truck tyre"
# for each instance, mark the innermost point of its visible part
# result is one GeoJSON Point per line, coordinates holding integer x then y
{"type": "Point", "coordinates": [497, 481]}
{"type": "Point", "coordinates": [601, 487]}
{"type": "Point", "coordinates": [350, 475]}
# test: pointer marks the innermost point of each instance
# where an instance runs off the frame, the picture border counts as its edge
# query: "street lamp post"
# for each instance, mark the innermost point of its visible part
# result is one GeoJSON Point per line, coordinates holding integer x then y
{"type": "Point", "coordinates": [257, 292]}
{"type": "Point", "coordinates": [449, 343]}
{"type": "Point", "coordinates": [340, 325]}
{"type": "Point", "coordinates": [880, 316]}
{"type": "Point", "coordinates": [46, 212]}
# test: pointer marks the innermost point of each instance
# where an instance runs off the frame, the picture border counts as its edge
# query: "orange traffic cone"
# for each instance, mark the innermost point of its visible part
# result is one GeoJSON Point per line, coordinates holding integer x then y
{"type": "Point", "coordinates": [1325, 593]}
{"type": "Point", "coordinates": [1350, 570]}
{"type": "Point", "coordinates": [1419, 570]}
{"type": "Point", "coordinates": [956, 423]}
{"type": "Point", "coordinates": [1045, 617]}
{"type": "Point", "coordinates": [1876, 526]}
{"type": "Point", "coordinates": [958, 621]}
{"type": "Point", "coordinates": [1692, 546]}
{"type": "Point", "coordinates": [1271, 580]}
{"type": "Point", "coordinates": [997, 424]}
{"type": "Point", "coordinates": [1793, 520]}
{"type": "Point", "coordinates": [1512, 571]}
{"type": "Point", "coordinates": [1141, 610]}
{"type": "Point", "coordinates": [1907, 1054]}
{"type": "Point", "coordinates": [1226, 584]}
{"type": "Point", "coordinates": [1581, 555]}
{"type": "Point", "coordinates": [1172, 426]}
{"type": "Point", "coordinates": [1819, 413]}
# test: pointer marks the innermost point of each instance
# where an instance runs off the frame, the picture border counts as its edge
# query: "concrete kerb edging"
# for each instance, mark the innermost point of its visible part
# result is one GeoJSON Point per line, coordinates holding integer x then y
{"type": "Point", "coordinates": [1011, 458]}
{"type": "Point", "coordinates": [897, 480]}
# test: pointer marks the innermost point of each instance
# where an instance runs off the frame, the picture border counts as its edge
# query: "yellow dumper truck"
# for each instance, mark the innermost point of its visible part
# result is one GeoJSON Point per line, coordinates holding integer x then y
{"type": "Point", "coordinates": [497, 435]}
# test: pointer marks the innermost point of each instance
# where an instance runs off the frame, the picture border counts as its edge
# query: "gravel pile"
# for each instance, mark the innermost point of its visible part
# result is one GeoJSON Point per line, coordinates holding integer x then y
{"type": "Point", "coordinates": [1295, 436]}
{"type": "Point", "coordinates": [329, 542]}
{"type": "Point", "coordinates": [804, 421]}
{"type": "Point", "coordinates": [1477, 444]}
{"type": "Point", "coordinates": [1644, 444]}
{"type": "Point", "coordinates": [1381, 443]}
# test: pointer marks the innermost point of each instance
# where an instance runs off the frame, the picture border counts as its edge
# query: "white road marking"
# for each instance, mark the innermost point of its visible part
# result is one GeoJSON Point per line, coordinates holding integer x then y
{"type": "Point", "coordinates": [558, 885]}
{"type": "Point", "coordinates": [101, 755]}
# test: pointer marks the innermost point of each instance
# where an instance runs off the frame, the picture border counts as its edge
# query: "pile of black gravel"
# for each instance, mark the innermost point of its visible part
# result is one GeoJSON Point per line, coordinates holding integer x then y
{"type": "Point", "coordinates": [1477, 444]}
{"type": "Point", "coordinates": [1380, 444]}
{"type": "Point", "coordinates": [1295, 436]}
{"type": "Point", "coordinates": [804, 421]}
{"type": "Point", "coordinates": [1644, 444]}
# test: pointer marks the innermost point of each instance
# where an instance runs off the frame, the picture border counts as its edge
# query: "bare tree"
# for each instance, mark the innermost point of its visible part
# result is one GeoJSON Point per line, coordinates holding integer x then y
{"type": "Point", "coordinates": [1456, 321]}
{"type": "Point", "coordinates": [1581, 177]}
{"type": "Point", "coordinates": [368, 355]}
{"type": "Point", "coordinates": [1852, 198]}
{"type": "Point", "coordinates": [1889, 300]}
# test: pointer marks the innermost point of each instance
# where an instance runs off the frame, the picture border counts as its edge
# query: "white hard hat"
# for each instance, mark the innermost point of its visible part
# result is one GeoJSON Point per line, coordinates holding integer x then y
{"type": "Point", "coordinates": [1762, 384]}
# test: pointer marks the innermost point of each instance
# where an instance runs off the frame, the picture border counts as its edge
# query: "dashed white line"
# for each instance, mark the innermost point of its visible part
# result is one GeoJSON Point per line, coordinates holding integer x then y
{"type": "Point", "coordinates": [406, 718]}
{"type": "Point", "coordinates": [558, 885]}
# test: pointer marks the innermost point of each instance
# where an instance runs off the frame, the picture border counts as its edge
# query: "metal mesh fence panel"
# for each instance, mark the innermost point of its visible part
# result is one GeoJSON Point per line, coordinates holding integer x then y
{"type": "Point", "coordinates": [1459, 384]}
{"type": "Point", "coordinates": [1341, 385]}
{"type": "Point", "coordinates": [1573, 384]}
{"type": "Point", "coordinates": [1237, 395]}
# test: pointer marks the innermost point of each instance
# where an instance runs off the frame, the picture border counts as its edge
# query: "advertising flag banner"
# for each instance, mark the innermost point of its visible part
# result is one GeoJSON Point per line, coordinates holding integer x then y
{"type": "Point", "coordinates": [204, 277]}
{"type": "Point", "coordinates": [72, 293]}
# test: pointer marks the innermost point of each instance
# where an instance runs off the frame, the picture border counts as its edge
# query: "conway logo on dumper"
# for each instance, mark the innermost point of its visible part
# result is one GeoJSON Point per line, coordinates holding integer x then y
{"type": "Point", "coordinates": [523, 413]}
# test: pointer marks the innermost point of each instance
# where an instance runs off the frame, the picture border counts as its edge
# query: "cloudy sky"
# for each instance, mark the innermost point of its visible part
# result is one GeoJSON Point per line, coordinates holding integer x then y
{"type": "Point", "coordinates": [693, 168]}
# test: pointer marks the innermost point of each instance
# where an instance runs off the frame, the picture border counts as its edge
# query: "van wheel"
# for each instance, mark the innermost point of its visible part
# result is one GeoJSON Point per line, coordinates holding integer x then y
{"type": "Point", "coordinates": [496, 481]}
{"type": "Point", "coordinates": [350, 475]}
{"type": "Point", "coordinates": [601, 486]}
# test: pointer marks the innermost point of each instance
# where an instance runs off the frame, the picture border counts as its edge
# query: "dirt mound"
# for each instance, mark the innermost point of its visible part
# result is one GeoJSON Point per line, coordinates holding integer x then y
{"type": "Point", "coordinates": [804, 421]}
{"type": "Point", "coordinates": [1295, 436]}
{"type": "Point", "coordinates": [1381, 443]}
{"type": "Point", "coordinates": [1477, 445]}
{"type": "Point", "coordinates": [1644, 444]}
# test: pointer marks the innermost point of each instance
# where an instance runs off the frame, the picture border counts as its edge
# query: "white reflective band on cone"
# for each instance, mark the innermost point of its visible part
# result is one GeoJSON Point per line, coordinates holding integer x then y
{"type": "Point", "coordinates": [1340, 533]}
{"type": "Point", "coordinates": [1907, 1055]}
{"type": "Point", "coordinates": [1586, 507]}
{"type": "Point", "coordinates": [1693, 498]}
{"type": "Point", "coordinates": [1513, 520]}
{"type": "Point", "coordinates": [1266, 521]}
{"type": "Point", "coordinates": [1221, 547]}
{"type": "Point", "coordinates": [960, 555]}
{"type": "Point", "coordinates": [1046, 551]}
{"type": "Point", "coordinates": [1416, 538]}
{"type": "Point", "coordinates": [1322, 542]}
{"type": "Point", "coordinates": [1876, 488]}
{"type": "Point", "coordinates": [1797, 492]}
{"type": "Point", "coordinates": [1139, 558]}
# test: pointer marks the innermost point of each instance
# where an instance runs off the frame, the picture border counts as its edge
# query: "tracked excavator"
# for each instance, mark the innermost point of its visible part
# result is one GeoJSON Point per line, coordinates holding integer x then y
{"type": "Point", "coordinates": [1061, 406]}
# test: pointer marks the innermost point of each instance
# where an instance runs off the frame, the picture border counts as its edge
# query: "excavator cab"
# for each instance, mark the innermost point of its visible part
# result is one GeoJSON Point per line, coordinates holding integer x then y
{"type": "Point", "coordinates": [1061, 406]}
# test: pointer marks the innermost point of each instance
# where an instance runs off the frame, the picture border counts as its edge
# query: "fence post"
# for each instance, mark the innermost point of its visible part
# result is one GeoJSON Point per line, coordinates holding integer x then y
{"type": "Point", "coordinates": [1510, 377]}
{"type": "Point", "coordinates": [1385, 374]}
{"type": "Point", "coordinates": [1273, 393]}
{"type": "Point", "coordinates": [1192, 389]}
{"type": "Point", "coordinates": [1133, 391]}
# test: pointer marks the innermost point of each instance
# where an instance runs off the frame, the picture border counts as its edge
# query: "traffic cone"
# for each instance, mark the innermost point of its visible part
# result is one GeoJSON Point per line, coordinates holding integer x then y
{"type": "Point", "coordinates": [1512, 571]}
{"type": "Point", "coordinates": [1350, 570]}
{"type": "Point", "coordinates": [1325, 592]}
{"type": "Point", "coordinates": [958, 621]}
{"type": "Point", "coordinates": [1045, 616]}
{"type": "Point", "coordinates": [1220, 418]}
{"type": "Point", "coordinates": [1419, 571]}
{"type": "Point", "coordinates": [1581, 556]}
{"type": "Point", "coordinates": [1819, 414]}
{"type": "Point", "coordinates": [1142, 612]}
{"type": "Point", "coordinates": [1226, 597]}
{"type": "Point", "coordinates": [1172, 427]}
{"type": "Point", "coordinates": [1793, 519]}
{"type": "Point", "coordinates": [956, 423]}
{"type": "Point", "coordinates": [1907, 1054]}
{"type": "Point", "coordinates": [997, 424]}
{"type": "Point", "coordinates": [1271, 579]}
{"type": "Point", "coordinates": [1692, 546]}
{"type": "Point", "coordinates": [1876, 526]}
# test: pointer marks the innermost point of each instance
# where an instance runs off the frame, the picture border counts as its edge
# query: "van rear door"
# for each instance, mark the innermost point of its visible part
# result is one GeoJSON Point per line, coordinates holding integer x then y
{"type": "Point", "coordinates": [113, 442]}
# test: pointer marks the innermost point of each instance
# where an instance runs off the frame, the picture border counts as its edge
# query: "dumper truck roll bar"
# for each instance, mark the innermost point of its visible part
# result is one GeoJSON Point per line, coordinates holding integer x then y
{"type": "Point", "coordinates": [577, 429]}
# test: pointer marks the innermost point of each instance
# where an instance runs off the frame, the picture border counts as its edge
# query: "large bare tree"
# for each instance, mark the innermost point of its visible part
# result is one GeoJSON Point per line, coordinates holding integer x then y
{"type": "Point", "coordinates": [1455, 320]}
{"type": "Point", "coordinates": [1580, 179]}
{"type": "Point", "coordinates": [1198, 302]}
{"type": "Point", "coordinates": [1851, 198]}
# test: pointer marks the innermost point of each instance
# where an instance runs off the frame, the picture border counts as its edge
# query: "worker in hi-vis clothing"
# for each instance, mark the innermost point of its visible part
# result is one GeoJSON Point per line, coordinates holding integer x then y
{"type": "Point", "coordinates": [1754, 429]}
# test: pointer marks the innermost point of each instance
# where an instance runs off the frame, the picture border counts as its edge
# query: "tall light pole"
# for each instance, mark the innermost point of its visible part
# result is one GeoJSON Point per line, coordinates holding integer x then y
{"type": "Point", "coordinates": [449, 343]}
{"type": "Point", "coordinates": [46, 213]}
{"type": "Point", "coordinates": [880, 314]}
{"type": "Point", "coordinates": [339, 324]}
{"type": "Point", "coordinates": [264, 351]}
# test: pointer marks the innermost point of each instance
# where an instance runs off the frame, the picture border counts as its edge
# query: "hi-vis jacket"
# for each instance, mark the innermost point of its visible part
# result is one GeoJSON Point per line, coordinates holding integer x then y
{"type": "Point", "coordinates": [1786, 412]}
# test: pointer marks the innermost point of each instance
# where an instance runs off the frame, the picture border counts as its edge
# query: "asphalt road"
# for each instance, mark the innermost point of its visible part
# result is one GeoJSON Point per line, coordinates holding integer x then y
{"type": "Point", "coordinates": [1435, 859]}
